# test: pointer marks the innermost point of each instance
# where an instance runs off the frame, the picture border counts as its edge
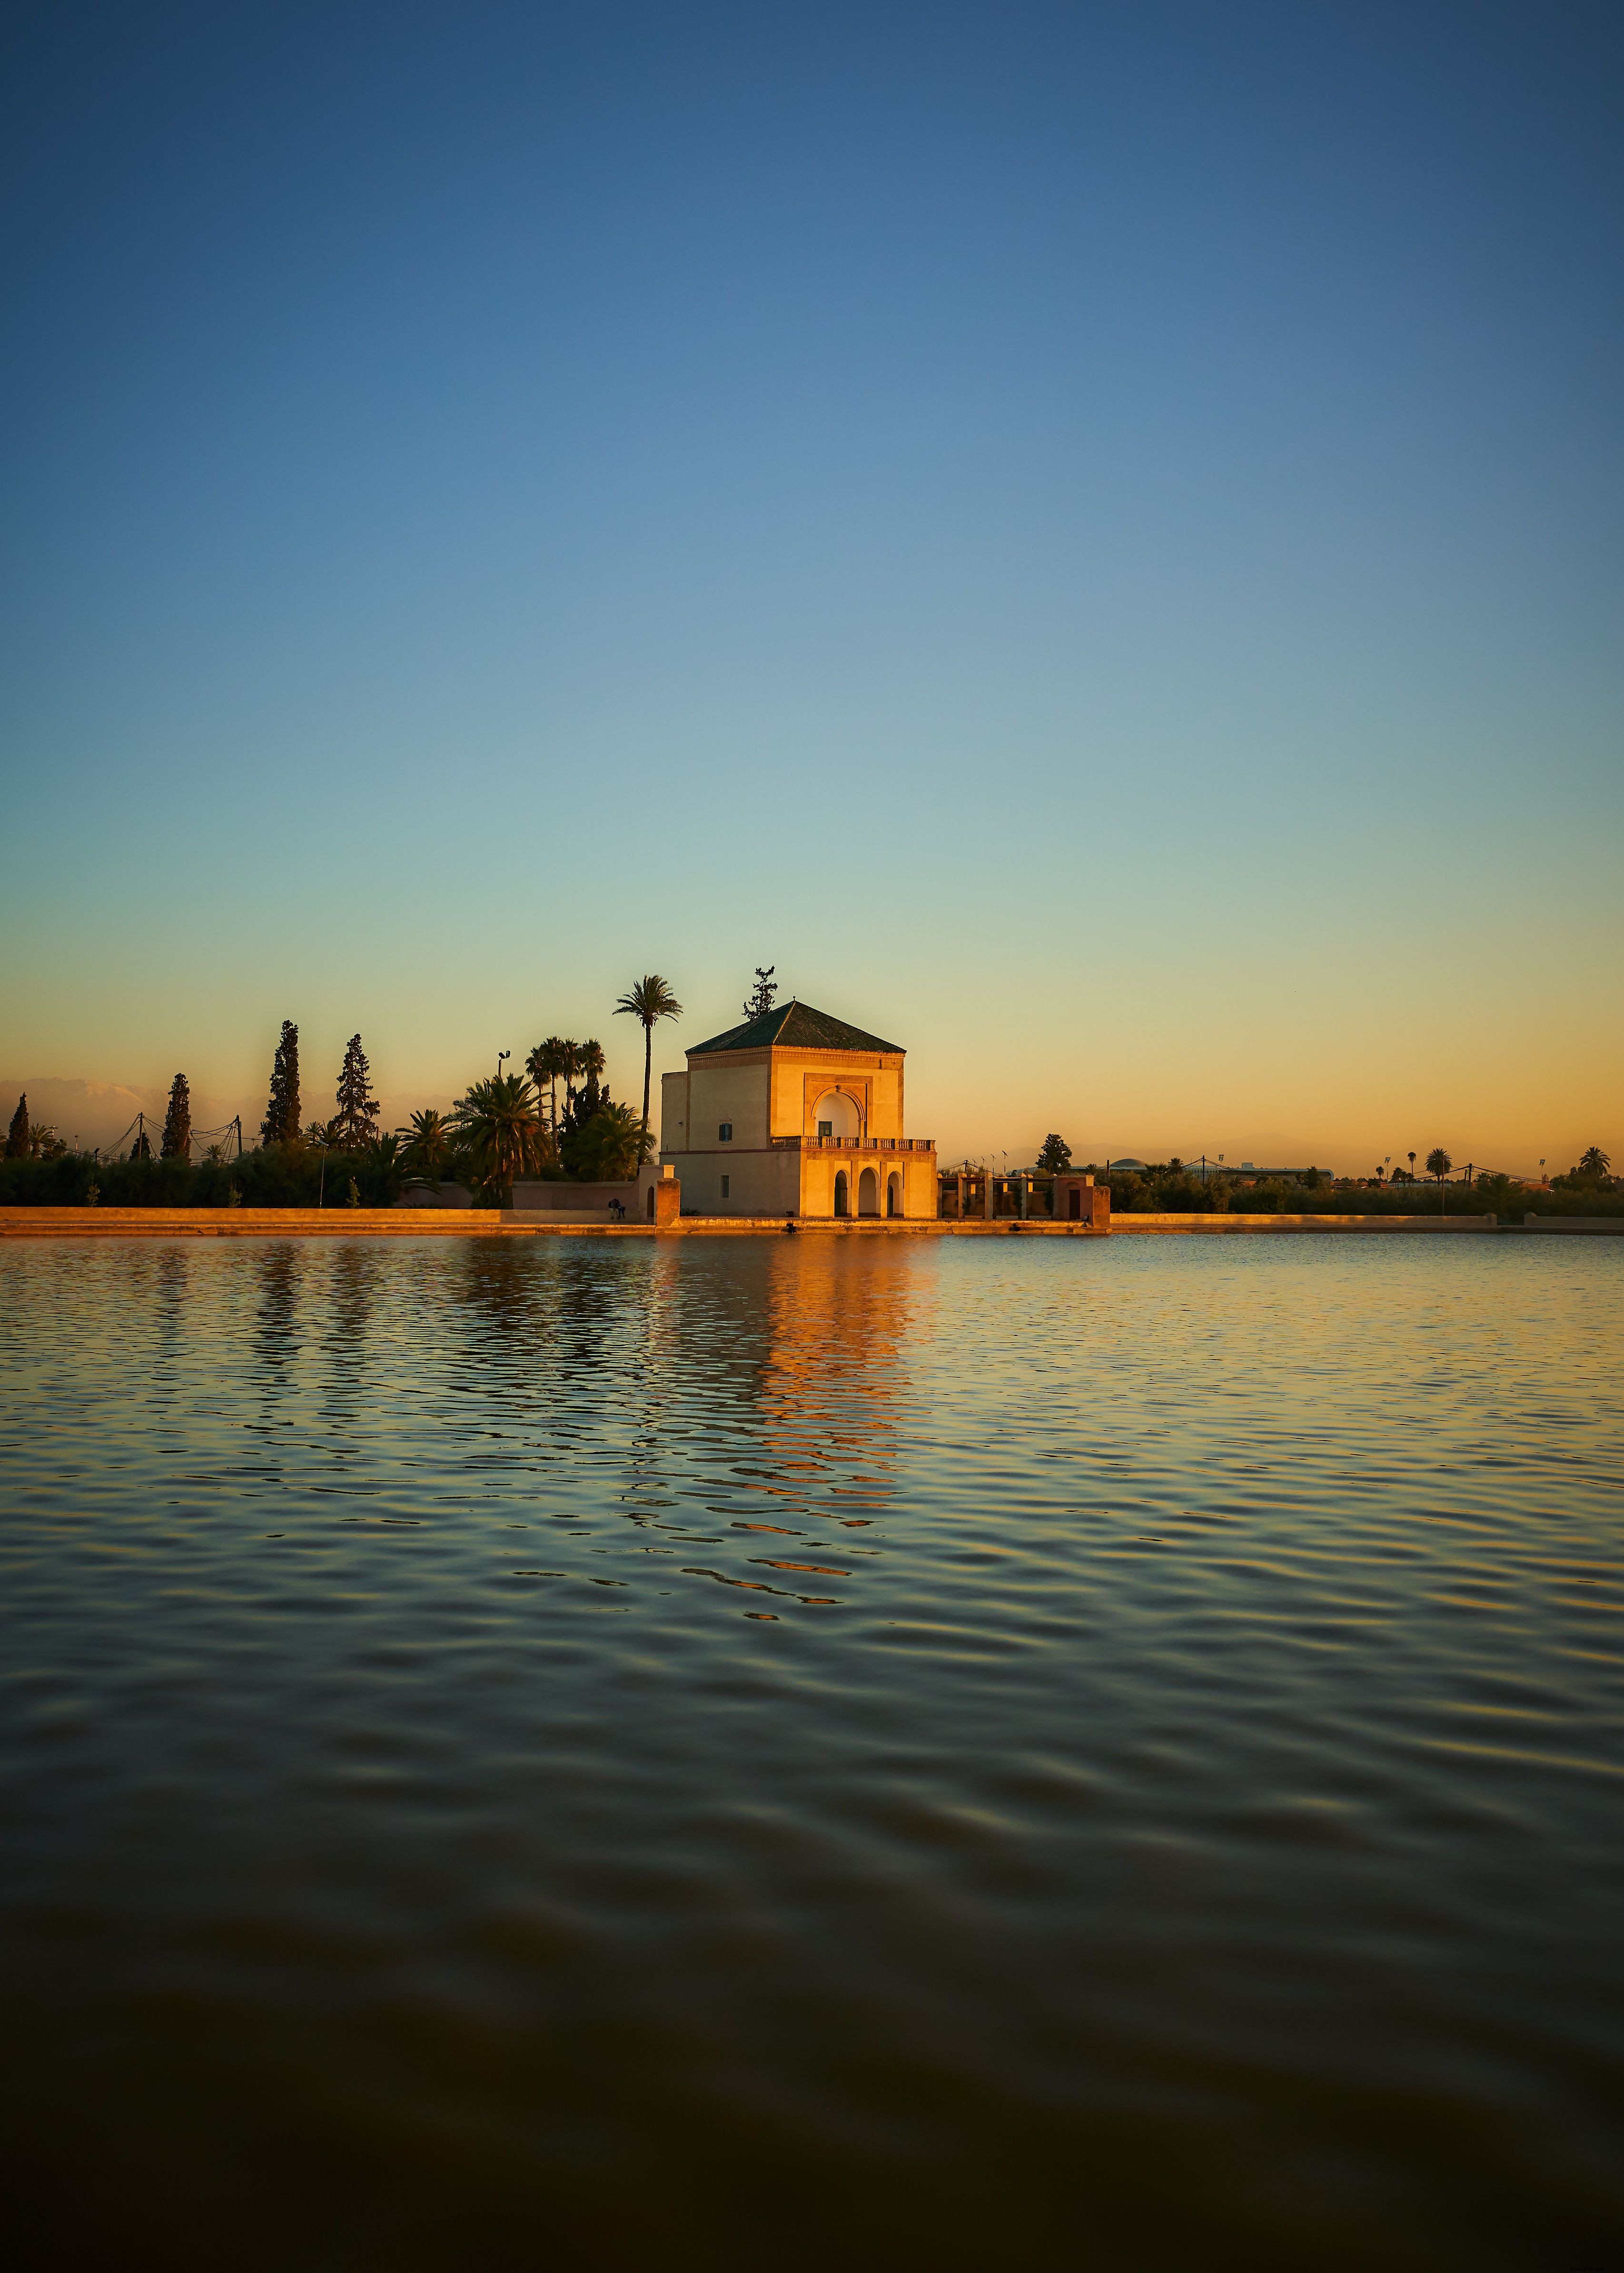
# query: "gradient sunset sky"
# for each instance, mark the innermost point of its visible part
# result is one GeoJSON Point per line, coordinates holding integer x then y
{"type": "Point", "coordinates": [1092, 538]}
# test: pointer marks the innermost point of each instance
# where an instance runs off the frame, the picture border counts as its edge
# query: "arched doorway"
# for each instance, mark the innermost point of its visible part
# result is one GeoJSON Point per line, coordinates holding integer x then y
{"type": "Point", "coordinates": [843, 1205]}
{"type": "Point", "coordinates": [893, 1194]}
{"type": "Point", "coordinates": [651, 1202]}
{"type": "Point", "coordinates": [836, 1114]}
{"type": "Point", "coordinates": [867, 1193]}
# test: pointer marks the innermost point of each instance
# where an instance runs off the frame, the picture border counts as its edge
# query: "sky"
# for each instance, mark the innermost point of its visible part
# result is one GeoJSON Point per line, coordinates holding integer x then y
{"type": "Point", "coordinates": [1089, 538]}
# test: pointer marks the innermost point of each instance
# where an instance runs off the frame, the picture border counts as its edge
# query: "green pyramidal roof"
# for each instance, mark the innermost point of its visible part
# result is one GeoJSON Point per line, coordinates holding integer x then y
{"type": "Point", "coordinates": [796, 1026]}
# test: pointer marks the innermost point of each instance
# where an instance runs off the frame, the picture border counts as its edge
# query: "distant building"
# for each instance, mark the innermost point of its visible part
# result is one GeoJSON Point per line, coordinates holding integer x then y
{"type": "Point", "coordinates": [794, 1113]}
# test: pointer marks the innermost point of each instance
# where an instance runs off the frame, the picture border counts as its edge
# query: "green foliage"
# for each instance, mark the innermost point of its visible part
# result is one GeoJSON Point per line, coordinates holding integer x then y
{"type": "Point", "coordinates": [605, 1146]}
{"type": "Point", "coordinates": [17, 1135]}
{"type": "Point", "coordinates": [498, 1127]}
{"type": "Point", "coordinates": [424, 1148]}
{"type": "Point", "coordinates": [548, 1064]}
{"type": "Point", "coordinates": [388, 1176]}
{"type": "Point", "coordinates": [1438, 1163]}
{"type": "Point", "coordinates": [356, 1121]}
{"type": "Point", "coordinates": [280, 1125]}
{"type": "Point", "coordinates": [177, 1143]}
{"type": "Point", "coordinates": [1056, 1155]}
{"type": "Point", "coordinates": [1589, 1174]}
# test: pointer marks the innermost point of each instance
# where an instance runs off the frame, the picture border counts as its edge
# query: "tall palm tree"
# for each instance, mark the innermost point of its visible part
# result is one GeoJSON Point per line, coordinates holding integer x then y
{"type": "Point", "coordinates": [500, 1121]}
{"type": "Point", "coordinates": [545, 1064]}
{"type": "Point", "coordinates": [1594, 1163]}
{"type": "Point", "coordinates": [650, 998]}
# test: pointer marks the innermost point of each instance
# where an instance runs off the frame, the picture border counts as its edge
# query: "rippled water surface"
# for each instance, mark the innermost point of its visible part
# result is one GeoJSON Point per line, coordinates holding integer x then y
{"type": "Point", "coordinates": [772, 1752]}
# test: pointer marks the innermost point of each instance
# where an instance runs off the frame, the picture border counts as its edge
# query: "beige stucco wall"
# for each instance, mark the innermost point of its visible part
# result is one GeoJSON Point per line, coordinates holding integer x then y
{"type": "Point", "coordinates": [759, 1182]}
{"type": "Point", "coordinates": [775, 1093]}
{"type": "Point", "coordinates": [766, 1094]}
{"type": "Point", "coordinates": [673, 1112]}
{"type": "Point", "coordinates": [728, 1091]}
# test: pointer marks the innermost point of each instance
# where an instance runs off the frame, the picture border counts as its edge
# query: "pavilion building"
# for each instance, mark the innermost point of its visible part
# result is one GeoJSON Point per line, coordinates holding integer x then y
{"type": "Point", "coordinates": [794, 1113]}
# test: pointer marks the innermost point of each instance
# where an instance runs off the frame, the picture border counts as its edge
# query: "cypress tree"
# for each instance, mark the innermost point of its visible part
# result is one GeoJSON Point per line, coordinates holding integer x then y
{"type": "Point", "coordinates": [177, 1143]}
{"type": "Point", "coordinates": [280, 1125]}
{"type": "Point", "coordinates": [356, 1121]}
{"type": "Point", "coordinates": [17, 1136]}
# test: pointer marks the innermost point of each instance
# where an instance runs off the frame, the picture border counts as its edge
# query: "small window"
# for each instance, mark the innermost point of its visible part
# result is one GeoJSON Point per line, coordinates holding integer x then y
{"type": "Point", "coordinates": [723, 1187]}
{"type": "Point", "coordinates": [825, 1127]}
{"type": "Point", "coordinates": [724, 1134]}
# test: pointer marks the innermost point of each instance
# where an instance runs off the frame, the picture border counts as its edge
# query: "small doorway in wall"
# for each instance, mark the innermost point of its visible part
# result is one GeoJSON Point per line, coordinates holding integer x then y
{"type": "Point", "coordinates": [651, 1202]}
{"type": "Point", "coordinates": [867, 1193]}
{"type": "Point", "coordinates": [843, 1205]}
{"type": "Point", "coordinates": [893, 1194]}
{"type": "Point", "coordinates": [1074, 1203]}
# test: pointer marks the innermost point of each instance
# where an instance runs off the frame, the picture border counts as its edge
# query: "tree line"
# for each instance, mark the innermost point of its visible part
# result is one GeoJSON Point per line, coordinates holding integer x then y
{"type": "Point", "coordinates": [506, 1126]}
{"type": "Point", "coordinates": [1176, 1188]}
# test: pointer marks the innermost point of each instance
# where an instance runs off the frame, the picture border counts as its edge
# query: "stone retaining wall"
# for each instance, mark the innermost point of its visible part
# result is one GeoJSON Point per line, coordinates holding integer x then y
{"type": "Point", "coordinates": [464, 1223]}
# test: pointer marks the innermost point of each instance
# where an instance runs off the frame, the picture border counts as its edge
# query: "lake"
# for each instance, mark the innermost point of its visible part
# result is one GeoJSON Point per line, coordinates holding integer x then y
{"type": "Point", "coordinates": [783, 1750]}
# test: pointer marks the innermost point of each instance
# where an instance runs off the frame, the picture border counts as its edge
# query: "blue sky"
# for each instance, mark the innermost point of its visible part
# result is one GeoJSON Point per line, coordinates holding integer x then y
{"type": "Point", "coordinates": [1091, 538]}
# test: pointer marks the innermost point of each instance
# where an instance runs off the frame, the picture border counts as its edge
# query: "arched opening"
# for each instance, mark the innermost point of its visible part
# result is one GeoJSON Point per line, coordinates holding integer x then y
{"type": "Point", "coordinates": [651, 1202]}
{"type": "Point", "coordinates": [843, 1205]}
{"type": "Point", "coordinates": [893, 1194]}
{"type": "Point", "coordinates": [867, 1193]}
{"type": "Point", "coordinates": [836, 1114]}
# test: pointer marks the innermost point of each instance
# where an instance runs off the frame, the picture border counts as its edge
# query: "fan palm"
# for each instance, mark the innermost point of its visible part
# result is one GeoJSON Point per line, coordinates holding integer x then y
{"type": "Point", "coordinates": [500, 1123]}
{"type": "Point", "coordinates": [650, 998]}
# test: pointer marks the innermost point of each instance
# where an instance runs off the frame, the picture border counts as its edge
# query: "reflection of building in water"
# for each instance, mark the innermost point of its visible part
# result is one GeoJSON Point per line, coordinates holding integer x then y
{"type": "Point", "coordinates": [794, 1113]}
{"type": "Point", "coordinates": [836, 1315]}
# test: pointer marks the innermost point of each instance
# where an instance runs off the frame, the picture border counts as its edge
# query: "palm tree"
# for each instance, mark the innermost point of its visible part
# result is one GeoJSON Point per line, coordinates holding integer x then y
{"type": "Point", "coordinates": [425, 1146]}
{"type": "Point", "coordinates": [546, 1062]}
{"type": "Point", "coordinates": [500, 1121]}
{"type": "Point", "coordinates": [650, 998]}
{"type": "Point", "coordinates": [608, 1148]}
{"type": "Point", "coordinates": [1438, 1163]}
{"type": "Point", "coordinates": [1594, 1162]}
{"type": "Point", "coordinates": [571, 1068]}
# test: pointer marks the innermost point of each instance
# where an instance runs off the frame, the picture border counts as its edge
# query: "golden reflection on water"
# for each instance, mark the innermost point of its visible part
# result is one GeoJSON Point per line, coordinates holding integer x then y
{"type": "Point", "coordinates": [1085, 1750]}
{"type": "Point", "coordinates": [829, 1386]}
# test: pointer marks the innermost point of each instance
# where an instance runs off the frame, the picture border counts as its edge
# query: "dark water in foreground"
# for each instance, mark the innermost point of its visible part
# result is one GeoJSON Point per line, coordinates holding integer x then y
{"type": "Point", "coordinates": [763, 1752]}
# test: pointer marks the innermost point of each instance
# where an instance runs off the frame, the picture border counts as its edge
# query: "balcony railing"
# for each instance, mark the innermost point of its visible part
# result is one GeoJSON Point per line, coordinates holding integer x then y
{"type": "Point", "coordinates": [855, 1143]}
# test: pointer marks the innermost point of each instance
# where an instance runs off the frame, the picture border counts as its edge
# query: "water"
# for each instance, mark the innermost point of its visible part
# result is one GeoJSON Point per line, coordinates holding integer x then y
{"type": "Point", "coordinates": [762, 1751]}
